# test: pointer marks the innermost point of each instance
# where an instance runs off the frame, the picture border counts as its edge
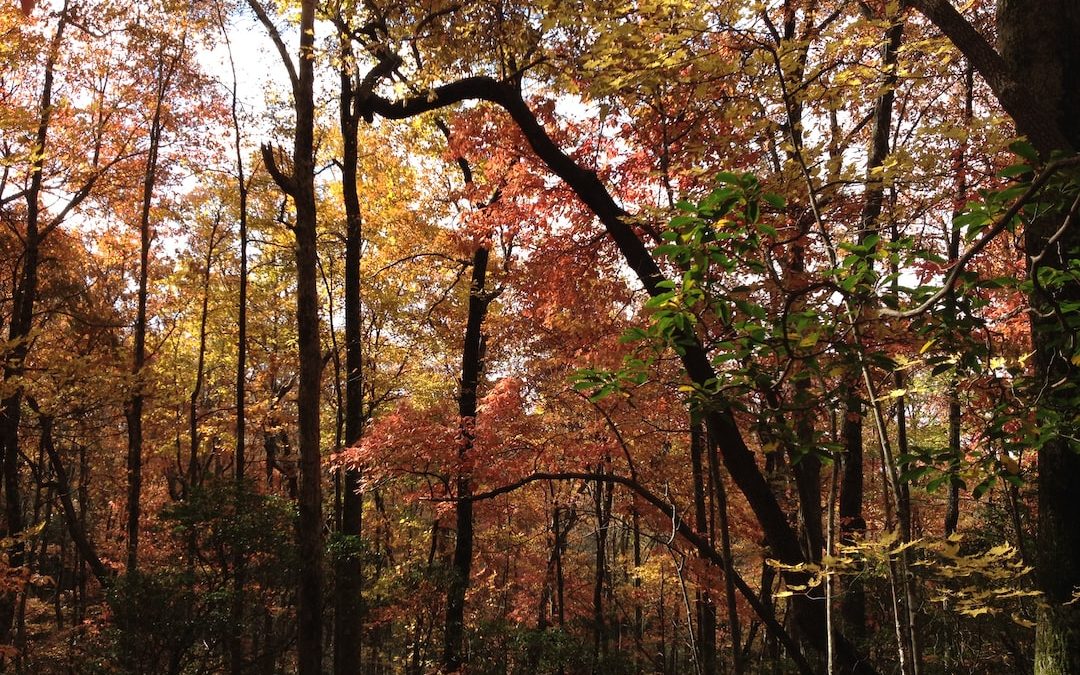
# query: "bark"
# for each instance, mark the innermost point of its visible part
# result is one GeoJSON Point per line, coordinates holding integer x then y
{"type": "Point", "coordinates": [471, 368]}
{"type": "Point", "coordinates": [347, 568]}
{"type": "Point", "coordinates": [239, 598]}
{"type": "Point", "coordinates": [19, 328]}
{"type": "Point", "coordinates": [1034, 103]}
{"type": "Point", "coordinates": [75, 524]}
{"type": "Point", "coordinates": [725, 550]}
{"type": "Point", "coordinates": [200, 366]}
{"type": "Point", "coordinates": [1036, 78]}
{"type": "Point", "coordinates": [952, 507]}
{"type": "Point", "coordinates": [133, 407]}
{"type": "Point", "coordinates": [706, 608]}
{"type": "Point", "coordinates": [300, 185]}
{"type": "Point", "coordinates": [601, 503]}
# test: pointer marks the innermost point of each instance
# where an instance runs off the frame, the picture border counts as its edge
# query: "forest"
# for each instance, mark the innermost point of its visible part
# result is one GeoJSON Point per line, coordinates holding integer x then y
{"type": "Point", "coordinates": [564, 336]}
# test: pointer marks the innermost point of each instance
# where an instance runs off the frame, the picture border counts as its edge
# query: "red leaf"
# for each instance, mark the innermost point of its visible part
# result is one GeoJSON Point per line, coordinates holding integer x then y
{"type": "Point", "coordinates": [28, 6]}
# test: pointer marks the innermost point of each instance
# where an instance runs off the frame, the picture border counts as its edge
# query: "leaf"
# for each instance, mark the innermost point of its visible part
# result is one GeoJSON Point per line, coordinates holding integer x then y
{"type": "Point", "coordinates": [1025, 150]}
{"type": "Point", "coordinates": [978, 611]}
{"type": "Point", "coordinates": [1014, 170]}
{"type": "Point", "coordinates": [1020, 621]}
{"type": "Point", "coordinates": [774, 200]}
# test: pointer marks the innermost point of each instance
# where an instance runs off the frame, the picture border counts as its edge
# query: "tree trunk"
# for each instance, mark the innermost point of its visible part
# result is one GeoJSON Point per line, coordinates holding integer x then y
{"type": "Point", "coordinates": [706, 607]}
{"type": "Point", "coordinates": [1040, 42]}
{"type": "Point", "coordinates": [133, 407]}
{"type": "Point", "coordinates": [22, 316]}
{"type": "Point", "coordinates": [300, 185]}
{"type": "Point", "coordinates": [471, 368]}
{"type": "Point", "coordinates": [347, 568]}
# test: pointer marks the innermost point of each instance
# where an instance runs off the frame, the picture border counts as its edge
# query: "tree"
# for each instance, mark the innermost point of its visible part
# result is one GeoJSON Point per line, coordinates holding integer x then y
{"type": "Point", "coordinates": [1036, 84]}
{"type": "Point", "coordinates": [298, 183]}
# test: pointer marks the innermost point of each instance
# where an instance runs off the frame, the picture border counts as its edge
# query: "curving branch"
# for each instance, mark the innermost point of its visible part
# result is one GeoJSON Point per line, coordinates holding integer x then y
{"type": "Point", "coordinates": [997, 228]}
{"type": "Point", "coordinates": [275, 36]}
{"type": "Point", "coordinates": [739, 460]}
{"type": "Point", "coordinates": [679, 526]}
{"type": "Point", "coordinates": [284, 181]}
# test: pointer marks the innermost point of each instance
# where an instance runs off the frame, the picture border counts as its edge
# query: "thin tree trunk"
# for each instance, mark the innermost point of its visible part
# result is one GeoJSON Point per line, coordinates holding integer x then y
{"type": "Point", "coordinates": [193, 477]}
{"type": "Point", "coordinates": [133, 407]}
{"type": "Point", "coordinates": [236, 609]}
{"type": "Point", "coordinates": [74, 520]}
{"type": "Point", "coordinates": [729, 565]}
{"type": "Point", "coordinates": [21, 323]}
{"type": "Point", "coordinates": [706, 608]}
{"type": "Point", "coordinates": [952, 508]}
{"type": "Point", "coordinates": [347, 608]}
{"type": "Point", "coordinates": [471, 368]}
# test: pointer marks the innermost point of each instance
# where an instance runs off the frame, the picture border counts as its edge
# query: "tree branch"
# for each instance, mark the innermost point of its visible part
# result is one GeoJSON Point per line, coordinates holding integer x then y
{"type": "Point", "coordinates": [998, 227]}
{"type": "Point", "coordinates": [283, 51]}
{"type": "Point", "coordinates": [1026, 107]}
{"type": "Point", "coordinates": [697, 540]}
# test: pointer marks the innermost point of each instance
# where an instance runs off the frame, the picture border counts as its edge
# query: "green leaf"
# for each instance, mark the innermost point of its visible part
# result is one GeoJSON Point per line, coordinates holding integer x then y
{"type": "Point", "coordinates": [774, 200]}
{"type": "Point", "coordinates": [1025, 150]}
{"type": "Point", "coordinates": [1014, 170]}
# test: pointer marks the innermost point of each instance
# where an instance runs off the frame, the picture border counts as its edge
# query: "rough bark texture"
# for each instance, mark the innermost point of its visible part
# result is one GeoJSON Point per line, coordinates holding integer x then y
{"type": "Point", "coordinates": [706, 608]}
{"type": "Point", "coordinates": [1040, 43]}
{"type": "Point", "coordinates": [309, 641]}
{"type": "Point", "coordinates": [22, 314]}
{"type": "Point", "coordinates": [300, 185]}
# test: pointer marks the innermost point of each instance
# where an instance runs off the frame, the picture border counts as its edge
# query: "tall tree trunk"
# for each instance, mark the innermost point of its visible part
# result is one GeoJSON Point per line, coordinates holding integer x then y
{"type": "Point", "coordinates": [236, 609]}
{"type": "Point", "coordinates": [133, 407]}
{"type": "Point", "coordinates": [300, 185]}
{"type": "Point", "coordinates": [720, 493]}
{"type": "Point", "coordinates": [1040, 42]}
{"type": "Point", "coordinates": [602, 509]}
{"type": "Point", "coordinates": [22, 316]}
{"type": "Point", "coordinates": [347, 568]}
{"type": "Point", "coordinates": [706, 608]}
{"type": "Point", "coordinates": [193, 477]}
{"type": "Point", "coordinates": [952, 507]}
{"type": "Point", "coordinates": [471, 368]}
{"type": "Point", "coordinates": [852, 523]}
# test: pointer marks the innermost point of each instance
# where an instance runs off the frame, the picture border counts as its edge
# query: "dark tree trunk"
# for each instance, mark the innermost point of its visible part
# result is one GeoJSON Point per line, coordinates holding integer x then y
{"type": "Point", "coordinates": [239, 598]}
{"type": "Point", "coordinates": [952, 507]}
{"type": "Point", "coordinates": [75, 524]}
{"type": "Point", "coordinates": [1040, 42]}
{"type": "Point", "coordinates": [1036, 78]}
{"type": "Point", "coordinates": [193, 477]}
{"type": "Point", "coordinates": [300, 185]}
{"type": "Point", "coordinates": [706, 608]}
{"type": "Point", "coordinates": [133, 407]}
{"type": "Point", "coordinates": [347, 568]}
{"type": "Point", "coordinates": [471, 368]}
{"type": "Point", "coordinates": [22, 316]}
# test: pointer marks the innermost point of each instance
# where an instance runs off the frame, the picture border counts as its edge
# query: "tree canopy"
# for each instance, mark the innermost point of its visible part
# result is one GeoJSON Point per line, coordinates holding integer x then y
{"type": "Point", "coordinates": [578, 336]}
